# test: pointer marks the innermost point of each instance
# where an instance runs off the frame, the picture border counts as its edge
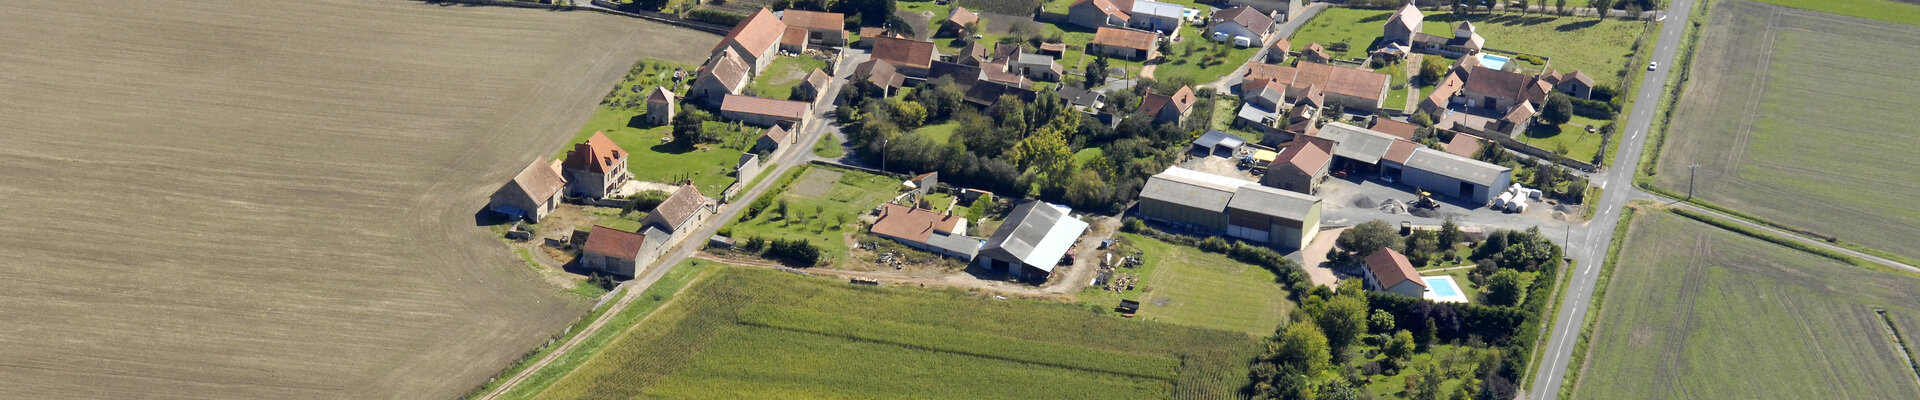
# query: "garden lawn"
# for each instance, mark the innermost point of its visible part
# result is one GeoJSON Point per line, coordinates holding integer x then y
{"type": "Point", "coordinates": [1699, 312]}
{"type": "Point", "coordinates": [1086, 155]}
{"type": "Point", "coordinates": [822, 206]}
{"type": "Point", "coordinates": [786, 72]}
{"type": "Point", "coordinates": [1357, 27]}
{"type": "Point", "coordinates": [1572, 136]}
{"type": "Point", "coordinates": [1193, 287]}
{"type": "Point", "coordinates": [829, 147]}
{"type": "Point", "coordinates": [652, 159]}
{"type": "Point", "coordinates": [941, 132]}
{"type": "Point", "coordinates": [749, 333]}
{"type": "Point", "coordinates": [1598, 47]}
{"type": "Point", "coordinates": [1220, 59]}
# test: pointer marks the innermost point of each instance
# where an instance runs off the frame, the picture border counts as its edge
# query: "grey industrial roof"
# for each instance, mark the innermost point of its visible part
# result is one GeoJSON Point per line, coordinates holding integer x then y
{"type": "Point", "coordinates": [1037, 233]}
{"type": "Point", "coordinates": [1253, 113]}
{"type": "Point", "coordinates": [1034, 59]}
{"type": "Point", "coordinates": [958, 244]}
{"type": "Point", "coordinates": [1356, 143]}
{"type": "Point", "coordinates": [1191, 188]}
{"type": "Point", "coordinates": [1218, 138]}
{"type": "Point", "coordinates": [1264, 200]}
{"type": "Point", "coordinates": [1454, 166]}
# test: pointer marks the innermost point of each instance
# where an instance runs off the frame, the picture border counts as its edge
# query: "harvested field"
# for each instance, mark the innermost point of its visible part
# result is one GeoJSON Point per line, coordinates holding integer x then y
{"type": "Point", "coordinates": [749, 333]}
{"type": "Point", "coordinates": [224, 199]}
{"type": "Point", "coordinates": [1804, 119]}
{"type": "Point", "coordinates": [1698, 312]}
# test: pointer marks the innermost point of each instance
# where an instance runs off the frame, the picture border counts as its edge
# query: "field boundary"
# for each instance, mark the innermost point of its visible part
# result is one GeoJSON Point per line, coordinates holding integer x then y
{"type": "Point", "coordinates": [602, 338]}
{"type": "Point", "coordinates": [1577, 362]}
{"type": "Point", "coordinates": [600, 7]}
{"type": "Point", "coordinates": [1906, 353]}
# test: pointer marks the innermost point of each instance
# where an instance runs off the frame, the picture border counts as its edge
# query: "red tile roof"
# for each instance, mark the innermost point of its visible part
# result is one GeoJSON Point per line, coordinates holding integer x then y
{"type": "Point", "coordinates": [614, 242]}
{"type": "Point", "coordinates": [813, 20]}
{"type": "Point", "coordinates": [1396, 128]}
{"type": "Point", "coordinates": [1248, 17]}
{"type": "Point", "coordinates": [1107, 7]}
{"type": "Point", "coordinates": [1391, 268]}
{"type": "Point", "coordinates": [598, 154]}
{"type": "Point", "coordinates": [1355, 82]}
{"type": "Point", "coordinates": [680, 206]}
{"type": "Point", "coordinates": [729, 69]}
{"type": "Point", "coordinates": [1464, 145]}
{"type": "Point", "coordinates": [1307, 154]}
{"type": "Point", "coordinates": [912, 223]}
{"type": "Point", "coordinates": [962, 17]}
{"type": "Point", "coordinates": [1124, 38]}
{"type": "Point", "coordinates": [787, 109]}
{"type": "Point", "coordinates": [660, 95]}
{"type": "Point", "coordinates": [903, 52]}
{"type": "Point", "coordinates": [540, 181]}
{"type": "Point", "coordinates": [776, 133]}
{"type": "Point", "coordinates": [757, 33]}
{"type": "Point", "coordinates": [795, 37]}
{"type": "Point", "coordinates": [1400, 151]}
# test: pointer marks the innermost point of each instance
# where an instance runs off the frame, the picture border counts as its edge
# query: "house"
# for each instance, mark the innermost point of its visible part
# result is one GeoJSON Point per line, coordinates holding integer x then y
{"type": "Point", "coordinates": [815, 83]}
{"type": "Point", "coordinates": [925, 183]}
{"type": "Point", "coordinates": [1199, 202]}
{"type": "Point", "coordinates": [773, 140]}
{"type": "Point", "coordinates": [1282, 10]}
{"type": "Point", "coordinates": [1002, 73]}
{"type": "Point", "coordinates": [620, 253]}
{"type": "Point", "coordinates": [1036, 67]}
{"type": "Point", "coordinates": [1256, 117]}
{"type": "Point", "coordinates": [1266, 93]}
{"type": "Point", "coordinates": [1301, 166]}
{"type": "Point", "coordinates": [660, 106]}
{"type": "Point", "coordinates": [684, 208]}
{"type": "Point", "coordinates": [1355, 147]}
{"type": "Point", "coordinates": [882, 75]}
{"type": "Point", "coordinates": [1445, 174]}
{"type": "Point", "coordinates": [595, 168]}
{"type": "Point", "coordinates": [794, 41]}
{"type": "Point", "coordinates": [1244, 22]}
{"type": "Point", "coordinates": [723, 76]}
{"type": "Point", "coordinates": [926, 230]}
{"type": "Point", "coordinates": [532, 193]}
{"type": "Point", "coordinates": [820, 28]}
{"type": "Point", "coordinates": [1389, 271]}
{"type": "Point", "coordinates": [1314, 53]}
{"type": "Point", "coordinates": [1463, 145]}
{"type": "Point", "coordinates": [1353, 88]}
{"type": "Point", "coordinates": [1500, 91]}
{"type": "Point", "coordinates": [1576, 84]}
{"type": "Point", "coordinates": [1401, 27]}
{"type": "Point", "coordinates": [1031, 241]}
{"type": "Point", "coordinates": [1465, 41]}
{"type": "Point", "coordinates": [910, 57]}
{"type": "Point", "coordinates": [1436, 103]}
{"type": "Point", "coordinates": [985, 94]}
{"type": "Point", "coordinates": [1098, 13]}
{"type": "Point", "coordinates": [957, 22]}
{"type": "Point", "coordinates": [756, 40]}
{"type": "Point", "coordinates": [1123, 43]}
{"type": "Point", "coordinates": [1214, 142]}
{"type": "Point", "coordinates": [1396, 128]}
{"type": "Point", "coordinates": [1168, 109]}
{"type": "Point", "coordinates": [761, 111]}
{"type": "Point", "coordinates": [1277, 53]}
{"type": "Point", "coordinates": [1086, 101]}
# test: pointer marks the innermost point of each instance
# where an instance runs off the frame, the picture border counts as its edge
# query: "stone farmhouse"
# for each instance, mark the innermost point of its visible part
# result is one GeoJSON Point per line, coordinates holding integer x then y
{"type": "Point", "coordinates": [817, 28]}
{"type": "Point", "coordinates": [1353, 88]}
{"type": "Point", "coordinates": [1124, 43]}
{"type": "Point", "coordinates": [941, 234]}
{"type": "Point", "coordinates": [595, 168]}
{"type": "Point", "coordinates": [684, 208]}
{"type": "Point", "coordinates": [1244, 22]}
{"type": "Point", "coordinates": [621, 253]}
{"type": "Point", "coordinates": [1167, 109]}
{"type": "Point", "coordinates": [761, 111]}
{"type": "Point", "coordinates": [532, 194]}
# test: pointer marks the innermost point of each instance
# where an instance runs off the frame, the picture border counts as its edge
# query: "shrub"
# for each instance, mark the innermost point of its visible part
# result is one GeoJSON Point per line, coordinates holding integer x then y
{"type": "Point", "coordinates": [1214, 244]}
{"type": "Point", "coordinates": [715, 16]}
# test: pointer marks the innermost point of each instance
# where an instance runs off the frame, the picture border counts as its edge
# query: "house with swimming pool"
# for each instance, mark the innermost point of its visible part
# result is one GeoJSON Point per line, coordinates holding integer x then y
{"type": "Point", "coordinates": [1389, 271]}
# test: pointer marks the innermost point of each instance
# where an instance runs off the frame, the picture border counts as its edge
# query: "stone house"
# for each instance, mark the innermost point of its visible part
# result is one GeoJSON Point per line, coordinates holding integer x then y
{"type": "Point", "coordinates": [532, 194]}
{"type": "Point", "coordinates": [595, 168]}
{"type": "Point", "coordinates": [620, 253]}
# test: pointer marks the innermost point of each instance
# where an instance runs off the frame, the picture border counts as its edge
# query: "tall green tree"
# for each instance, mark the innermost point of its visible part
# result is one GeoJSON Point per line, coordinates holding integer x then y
{"type": "Point", "coordinates": [1508, 287]}
{"type": "Point", "coordinates": [1302, 347]}
{"type": "Point", "coordinates": [1096, 73]}
{"type": "Point", "coordinates": [1559, 109]}
{"type": "Point", "coordinates": [1398, 349]}
{"type": "Point", "coordinates": [1342, 319]}
{"type": "Point", "coordinates": [1601, 6]}
{"type": "Point", "coordinates": [1368, 237]}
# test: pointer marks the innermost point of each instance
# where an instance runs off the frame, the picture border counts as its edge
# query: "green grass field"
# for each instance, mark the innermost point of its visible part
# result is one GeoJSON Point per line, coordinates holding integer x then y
{"type": "Point", "coordinates": [829, 147]}
{"type": "Point", "coordinates": [822, 206]}
{"type": "Point", "coordinates": [1698, 312]}
{"type": "Point", "coordinates": [786, 72]}
{"type": "Point", "coordinates": [1810, 129]}
{"type": "Point", "coordinates": [1220, 59]}
{"type": "Point", "coordinates": [1198, 289]}
{"type": "Point", "coordinates": [662, 291]}
{"type": "Point", "coordinates": [1572, 135]}
{"type": "Point", "coordinates": [654, 160]}
{"type": "Point", "coordinates": [762, 334]}
{"type": "Point", "coordinates": [1598, 47]}
{"type": "Point", "coordinates": [1879, 10]}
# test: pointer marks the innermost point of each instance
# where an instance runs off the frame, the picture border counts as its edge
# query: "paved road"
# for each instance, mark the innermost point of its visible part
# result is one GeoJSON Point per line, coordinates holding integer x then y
{"type": "Point", "coordinates": [1591, 248]}
{"type": "Point", "coordinates": [801, 152]}
{"type": "Point", "coordinates": [1286, 30]}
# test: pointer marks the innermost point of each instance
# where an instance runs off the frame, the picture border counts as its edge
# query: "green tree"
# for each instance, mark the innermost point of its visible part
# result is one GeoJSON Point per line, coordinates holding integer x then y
{"type": "Point", "coordinates": [1398, 349]}
{"type": "Point", "coordinates": [1508, 287]}
{"type": "Point", "coordinates": [1559, 109]}
{"type": "Point", "coordinates": [1422, 247]}
{"type": "Point", "coordinates": [1368, 237]}
{"type": "Point", "coordinates": [1342, 319]}
{"type": "Point", "coordinates": [1450, 234]}
{"type": "Point", "coordinates": [1380, 322]}
{"type": "Point", "coordinates": [1433, 68]}
{"type": "Point", "coordinates": [1421, 118]}
{"type": "Point", "coordinates": [1523, 6]}
{"type": "Point", "coordinates": [1601, 6]}
{"type": "Point", "coordinates": [1429, 335]}
{"type": "Point", "coordinates": [908, 115]}
{"type": "Point", "coordinates": [1559, 6]}
{"type": "Point", "coordinates": [688, 127]}
{"type": "Point", "coordinates": [1097, 73]}
{"type": "Point", "coordinates": [1302, 347]}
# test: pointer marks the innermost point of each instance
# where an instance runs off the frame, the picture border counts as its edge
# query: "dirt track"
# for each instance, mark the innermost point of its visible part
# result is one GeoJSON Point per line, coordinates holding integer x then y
{"type": "Point", "coordinates": [223, 199]}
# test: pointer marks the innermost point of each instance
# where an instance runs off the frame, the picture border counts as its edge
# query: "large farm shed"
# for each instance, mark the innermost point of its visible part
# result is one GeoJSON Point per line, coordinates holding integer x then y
{"type": "Point", "coordinates": [1282, 219]}
{"type": "Point", "coordinates": [1450, 175]}
{"type": "Point", "coordinates": [1356, 147]}
{"type": "Point", "coordinates": [1032, 240]}
{"type": "Point", "coordinates": [1218, 205]}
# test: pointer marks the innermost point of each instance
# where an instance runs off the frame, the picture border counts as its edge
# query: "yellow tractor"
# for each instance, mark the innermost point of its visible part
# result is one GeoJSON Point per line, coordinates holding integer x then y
{"type": "Point", "coordinates": [1425, 200]}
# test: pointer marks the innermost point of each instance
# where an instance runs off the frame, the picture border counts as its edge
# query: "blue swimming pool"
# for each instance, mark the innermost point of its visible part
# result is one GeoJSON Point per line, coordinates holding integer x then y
{"type": "Point", "coordinates": [1441, 286]}
{"type": "Point", "coordinates": [1493, 61]}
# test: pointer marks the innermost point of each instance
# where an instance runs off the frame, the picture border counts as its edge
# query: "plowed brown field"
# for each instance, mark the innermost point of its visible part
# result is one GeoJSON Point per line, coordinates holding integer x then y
{"type": "Point", "coordinates": [276, 199]}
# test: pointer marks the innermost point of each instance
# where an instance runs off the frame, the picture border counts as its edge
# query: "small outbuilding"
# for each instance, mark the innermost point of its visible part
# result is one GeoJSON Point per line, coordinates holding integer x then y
{"type": "Point", "coordinates": [620, 253]}
{"type": "Point", "coordinates": [660, 106]}
{"type": "Point", "coordinates": [532, 194]}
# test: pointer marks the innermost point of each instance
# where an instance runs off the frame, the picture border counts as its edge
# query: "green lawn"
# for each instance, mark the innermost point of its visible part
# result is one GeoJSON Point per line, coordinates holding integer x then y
{"type": "Point", "coordinates": [822, 205]}
{"type": "Point", "coordinates": [1454, 361]}
{"type": "Point", "coordinates": [1082, 157]}
{"type": "Point", "coordinates": [1073, 59]}
{"type": "Point", "coordinates": [1572, 136]}
{"type": "Point", "coordinates": [1879, 10]}
{"type": "Point", "coordinates": [1195, 50]}
{"type": "Point", "coordinates": [655, 160]}
{"type": "Point", "coordinates": [1198, 288]}
{"type": "Point", "coordinates": [941, 132]}
{"type": "Point", "coordinates": [1749, 114]}
{"type": "Point", "coordinates": [829, 147]}
{"type": "Point", "coordinates": [1357, 27]}
{"type": "Point", "coordinates": [746, 333]}
{"type": "Point", "coordinates": [1397, 74]}
{"type": "Point", "coordinates": [1698, 312]}
{"type": "Point", "coordinates": [1598, 47]}
{"type": "Point", "coordinates": [786, 72]}
{"type": "Point", "coordinates": [616, 327]}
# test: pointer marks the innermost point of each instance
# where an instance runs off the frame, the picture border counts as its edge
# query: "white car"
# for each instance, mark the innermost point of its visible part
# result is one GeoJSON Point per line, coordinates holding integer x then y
{"type": "Point", "coordinates": [1653, 65]}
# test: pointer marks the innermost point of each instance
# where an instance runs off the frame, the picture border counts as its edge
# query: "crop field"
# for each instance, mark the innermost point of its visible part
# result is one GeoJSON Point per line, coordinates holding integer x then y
{"type": "Point", "coordinates": [223, 199]}
{"type": "Point", "coordinates": [1196, 288]}
{"type": "Point", "coordinates": [757, 333]}
{"type": "Point", "coordinates": [1895, 11]}
{"type": "Point", "coordinates": [1803, 119]}
{"type": "Point", "coordinates": [1694, 311]}
{"type": "Point", "coordinates": [821, 206]}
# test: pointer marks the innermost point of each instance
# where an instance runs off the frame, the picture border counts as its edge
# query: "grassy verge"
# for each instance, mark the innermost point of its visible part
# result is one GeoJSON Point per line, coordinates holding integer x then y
{"type": "Point", "coordinates": [1771, 238]}
{"type": "Point", "coordinates": [650, 300]}
{"type": "Point", "coordinates": [1577, 361]}
{"type": "Point", "coordinates": [829, 147]}
{"type": "Point", "coordinates": [764, 171]}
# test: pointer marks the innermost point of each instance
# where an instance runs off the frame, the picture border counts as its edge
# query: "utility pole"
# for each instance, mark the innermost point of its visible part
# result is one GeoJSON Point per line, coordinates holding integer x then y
{"type": "Point", "coordinates": [1690, 175]}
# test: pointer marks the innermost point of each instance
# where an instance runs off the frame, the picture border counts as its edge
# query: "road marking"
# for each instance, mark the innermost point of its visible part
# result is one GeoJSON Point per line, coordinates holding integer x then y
{"type": "Point", "coordinates": [1588, 271]}
{"type": "Point", "coordinates": [1636, 133]}
{"type": "Point", "coordinates": [1609, 210]}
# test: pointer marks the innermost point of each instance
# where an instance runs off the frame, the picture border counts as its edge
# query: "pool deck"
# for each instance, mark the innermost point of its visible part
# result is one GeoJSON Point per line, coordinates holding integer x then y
{"type": "Point", "coordinates": [1454, 295]}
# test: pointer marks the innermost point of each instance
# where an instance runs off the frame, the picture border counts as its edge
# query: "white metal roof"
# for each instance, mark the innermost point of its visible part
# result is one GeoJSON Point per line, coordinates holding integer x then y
{"type": "Point", "coordinates": [1156, 8]}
